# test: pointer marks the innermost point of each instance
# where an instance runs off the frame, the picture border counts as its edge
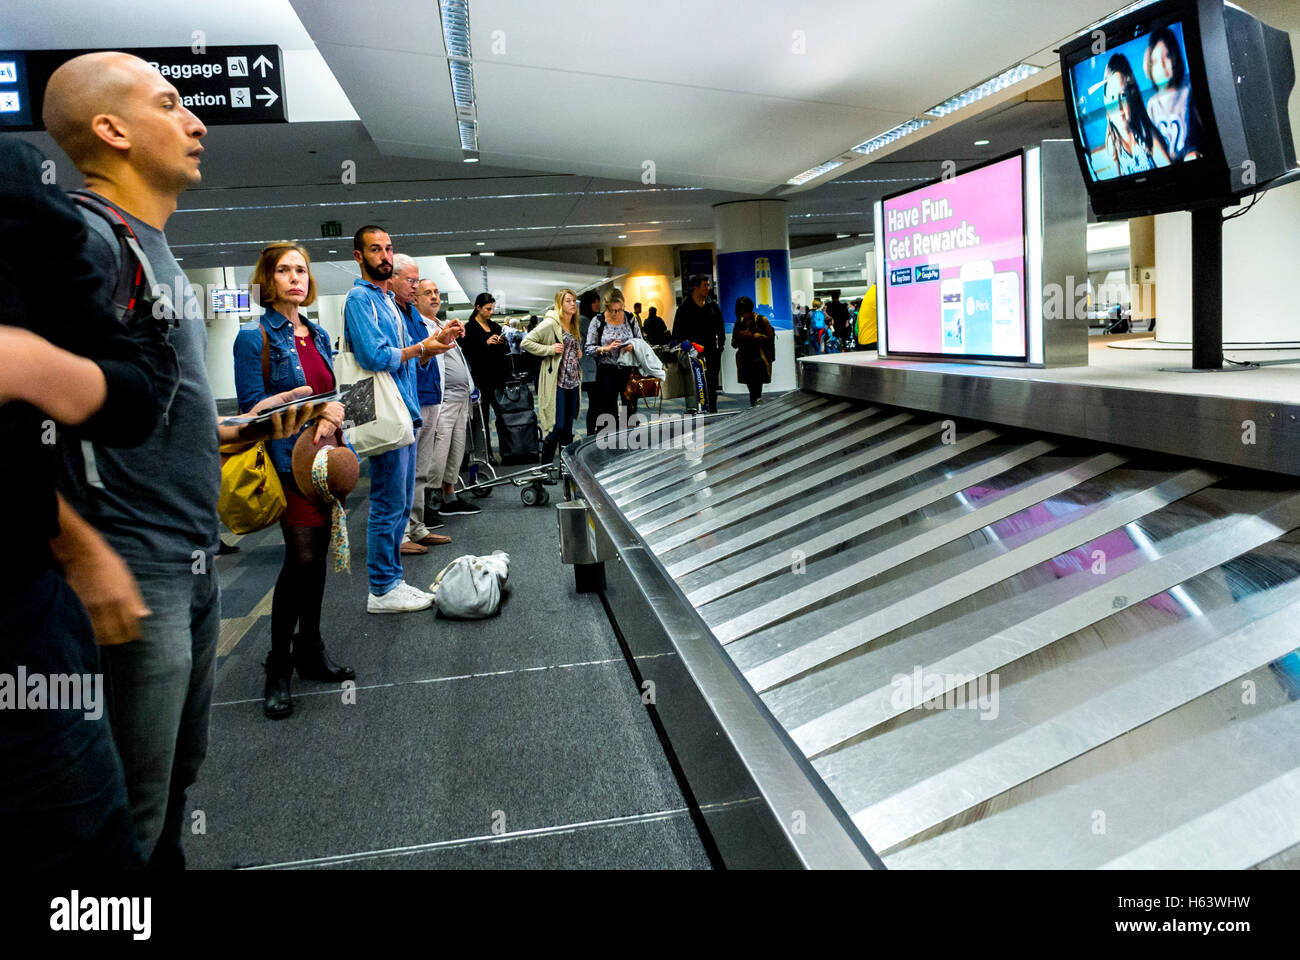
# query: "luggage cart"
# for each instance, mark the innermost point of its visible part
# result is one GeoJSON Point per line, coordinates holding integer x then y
{"type": "Point", "coordinates": [476, 450]}
{"type": "Point", "coordinates": [532, 482]}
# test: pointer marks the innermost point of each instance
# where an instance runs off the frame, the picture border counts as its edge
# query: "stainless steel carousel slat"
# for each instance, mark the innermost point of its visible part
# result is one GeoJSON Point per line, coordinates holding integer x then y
{"type": "Point", "coordinates": [905, 504]}
{"type": "Point", "coordinates": [716, 478]}
{"type": "Point", "coordinates": [1036, 618]}
{"type": "Point", "coordinates": [1167, 685]}
{"type": "Point", "coordinates": [712, 438]}
{"type": "Point", "coordinates": [1002, 564]}
{"type": "Point", "coordinates": [1238, 835]}
{"type": "Point", "coordinates": [914, 541]}
{"type": "Point", "coordinates": [711, 519]}
{"type": "Point", "coordinates": [707, 430]}
{"type": "Point", "coordinates": [1163, 775]}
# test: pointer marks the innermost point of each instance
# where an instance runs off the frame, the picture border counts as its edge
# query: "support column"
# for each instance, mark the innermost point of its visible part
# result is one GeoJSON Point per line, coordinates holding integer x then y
{"type": "Point", "coordinates": [753, 260]}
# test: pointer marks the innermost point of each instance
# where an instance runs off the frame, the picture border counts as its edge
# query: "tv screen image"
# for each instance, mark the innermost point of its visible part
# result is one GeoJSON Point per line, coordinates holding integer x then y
{"type": "Point", "coordinates": [1135, 107]}
{"type": "Point", "coordinates": [954, 265]}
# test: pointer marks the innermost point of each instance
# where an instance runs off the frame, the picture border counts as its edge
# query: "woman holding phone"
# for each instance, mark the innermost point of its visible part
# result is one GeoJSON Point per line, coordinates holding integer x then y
{"type": "Point", "coordinates": [278, 352]}
{"type": "Point", "coordinates": [485, 348]}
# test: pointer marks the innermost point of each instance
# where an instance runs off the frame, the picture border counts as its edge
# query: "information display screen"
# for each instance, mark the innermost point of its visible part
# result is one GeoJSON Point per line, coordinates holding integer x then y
{"type": "Point", "coordinates": [230, 301]}
{"type": "Point", "coordinates": [954, 265]}
{"type": "Point", "coordinates": [1134, 105]}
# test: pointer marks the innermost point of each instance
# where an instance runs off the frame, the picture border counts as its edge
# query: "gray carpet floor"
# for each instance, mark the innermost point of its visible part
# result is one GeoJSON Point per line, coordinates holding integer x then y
{"type": "Point", "coordinates": [515, 742]}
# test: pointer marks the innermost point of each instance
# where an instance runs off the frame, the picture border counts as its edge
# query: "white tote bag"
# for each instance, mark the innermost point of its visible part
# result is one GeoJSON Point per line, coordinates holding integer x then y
{"type": "Point", "coordinates": [374, 409]}
{"type": "Point", "coordinates": [469, 588]}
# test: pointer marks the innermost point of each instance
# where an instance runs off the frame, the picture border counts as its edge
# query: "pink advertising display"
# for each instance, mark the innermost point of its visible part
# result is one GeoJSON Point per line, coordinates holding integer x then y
{"type": "Point", "coordinates": [954, 266]}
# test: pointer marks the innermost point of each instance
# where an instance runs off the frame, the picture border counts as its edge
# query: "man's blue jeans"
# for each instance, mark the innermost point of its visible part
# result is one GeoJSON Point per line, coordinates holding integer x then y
{"type": "Point", "coordinates": [159, 698]}
{"type": "Point", "coordinates": [62, 797]}
{"type": "Point", "coordinates": [392, 491]}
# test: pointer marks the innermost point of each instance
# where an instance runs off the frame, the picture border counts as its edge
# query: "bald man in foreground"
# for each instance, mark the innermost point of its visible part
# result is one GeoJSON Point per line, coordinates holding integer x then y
{"type": "Point", "coordinates": [125, 128]}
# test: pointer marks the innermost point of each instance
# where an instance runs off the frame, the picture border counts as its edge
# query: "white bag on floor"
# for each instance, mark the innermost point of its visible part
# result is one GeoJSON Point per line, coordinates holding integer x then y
{"type": "Point", "coordinates": [469, 588]}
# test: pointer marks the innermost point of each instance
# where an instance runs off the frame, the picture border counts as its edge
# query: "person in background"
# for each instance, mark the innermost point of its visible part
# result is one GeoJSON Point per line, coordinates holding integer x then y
{"type": "Point", "coordinates": [838, 315]}
{"type": "Point", "coordinates": [609, 335]}
{"type": "Point", "coordinates": [376, 333]}
{"type": "Point", "coordinates": [867, 337]}
{"type": "Point", "coordinates": [423, 322]}
{"type": "Point", "coordinates": [755, 344]}
{"type": "Point", "coordinates": [297, 353]}
{"type": "Point", "coordinates": [453, 412]}
{"type": "Point", "coordinates": [636, 311]}
{"type": "Point", "coordinates": [656, 331]}
{"type": "Point", "coordinates": [817, 324]}
{"type": "Point", "coordinates": [588, 307]}
{"type": "Point", "coordinates": [485, 348]}
{"type": "Point", "coordinates": [405, 281]}
{"type": "Point", "coordinates": [700, 321]}
{"type": "Point", "coordinates": [555, 341]}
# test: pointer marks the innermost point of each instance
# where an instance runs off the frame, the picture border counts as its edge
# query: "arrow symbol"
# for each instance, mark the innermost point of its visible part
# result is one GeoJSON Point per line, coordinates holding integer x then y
{"type": "Point", "coordinates": [270, 96]}
{"type": "Point", "coordinates": [263, 64]}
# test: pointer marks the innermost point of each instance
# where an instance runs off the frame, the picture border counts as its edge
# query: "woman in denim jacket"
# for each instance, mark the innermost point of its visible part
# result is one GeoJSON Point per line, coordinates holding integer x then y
{"type": "Point", "coordinates": [297, 353]}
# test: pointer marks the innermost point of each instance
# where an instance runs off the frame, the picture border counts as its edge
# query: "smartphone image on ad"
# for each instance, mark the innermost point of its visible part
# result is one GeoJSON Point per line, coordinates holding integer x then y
{"type": "Point", "coordinates": [1008, 330]}
{"type": "Point", "coordinates": [950, 299]}
{"type": "Point", "coordinates": [977, 294]}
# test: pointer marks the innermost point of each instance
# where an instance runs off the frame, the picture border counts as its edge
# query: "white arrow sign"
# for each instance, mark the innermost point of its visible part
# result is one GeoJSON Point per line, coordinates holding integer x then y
{"type": "Point", "coordinates": [263, 64]}
{"type": "Point", "coordinates": [270, 96]}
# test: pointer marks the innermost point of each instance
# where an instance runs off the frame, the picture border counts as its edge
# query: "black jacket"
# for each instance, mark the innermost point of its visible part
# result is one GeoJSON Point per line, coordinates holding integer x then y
{"type": "Point", "coordinates": [42, 230]}
{"type": "Point", "coordinates": [702, 325]}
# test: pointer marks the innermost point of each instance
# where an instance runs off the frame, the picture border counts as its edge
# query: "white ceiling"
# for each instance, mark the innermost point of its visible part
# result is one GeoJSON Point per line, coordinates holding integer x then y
{"type": "Point", "coordinates": [715, 94]}
{"type": "Point", "coordinates": [580, 90]}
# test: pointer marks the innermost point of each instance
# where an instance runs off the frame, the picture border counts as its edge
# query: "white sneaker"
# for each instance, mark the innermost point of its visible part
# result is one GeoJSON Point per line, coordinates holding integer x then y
{"type": "Point", "coordinates": [415, 591]}
{"type": "Point", "coordinates": [397, 600]}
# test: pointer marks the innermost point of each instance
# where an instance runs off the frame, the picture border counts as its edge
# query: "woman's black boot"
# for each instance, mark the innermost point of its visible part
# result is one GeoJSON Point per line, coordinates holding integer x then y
{"type": "Point", "coordinates": [313, 662]}
{"type": "Point", "coordinates": [278, 700]}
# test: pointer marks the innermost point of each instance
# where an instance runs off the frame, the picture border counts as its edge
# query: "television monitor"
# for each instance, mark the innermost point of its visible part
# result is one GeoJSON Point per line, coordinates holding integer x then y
{"type": "Point", "coordinates": [233, 300]}
{"type": "Point", "coordinates": [953, 273]}
{"type": "Point", "coordinates": [1178, 105]}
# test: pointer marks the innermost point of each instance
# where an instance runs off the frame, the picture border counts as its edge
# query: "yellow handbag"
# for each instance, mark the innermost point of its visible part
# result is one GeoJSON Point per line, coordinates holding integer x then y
{"type": "Point", "coordinates": [251, 495]}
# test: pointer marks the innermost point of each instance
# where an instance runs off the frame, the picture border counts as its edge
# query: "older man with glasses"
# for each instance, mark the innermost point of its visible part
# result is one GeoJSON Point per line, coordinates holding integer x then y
{"type": "Point", "coordinates": [405, 283]}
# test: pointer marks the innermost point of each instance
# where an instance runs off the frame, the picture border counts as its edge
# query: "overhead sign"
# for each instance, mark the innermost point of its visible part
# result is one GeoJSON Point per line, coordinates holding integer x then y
{"type": "Point", "coordinates": [220, 85]}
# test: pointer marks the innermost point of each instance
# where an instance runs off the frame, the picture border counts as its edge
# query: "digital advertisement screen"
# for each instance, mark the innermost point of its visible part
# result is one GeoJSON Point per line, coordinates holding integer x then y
{"type": "Point", "coordinates": [954, 265]}
{"type": "Point", "coordinates": [1135, 107]}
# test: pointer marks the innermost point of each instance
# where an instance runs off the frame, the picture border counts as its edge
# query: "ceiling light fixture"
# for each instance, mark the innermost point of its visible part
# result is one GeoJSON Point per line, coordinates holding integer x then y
{"type": "Point", "coordinates": [460, 66]}
{"type": "Point", "coordinates": [813, 172]}
{"type": "Point", "coordinates": [981, 143]}
{"type": "Point", "coordinates": [986, 89]}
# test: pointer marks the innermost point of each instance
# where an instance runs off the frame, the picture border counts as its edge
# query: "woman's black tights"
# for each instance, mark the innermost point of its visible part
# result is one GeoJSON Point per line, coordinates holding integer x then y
{"type": "Point", "coordinates": [300, 589]}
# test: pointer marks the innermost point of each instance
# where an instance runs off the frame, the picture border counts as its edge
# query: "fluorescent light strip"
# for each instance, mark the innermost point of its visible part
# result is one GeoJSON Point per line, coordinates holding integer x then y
{"type": "Point", "coordinates": [460, 67]}
{"type": "Point", "coordinates": [889, 136]}
{"type": "Point", "coordinates": [375, 203]}
{"type": "Point", "coordinates": [814, 172]}
{"type": "Point", "coordinates": [986, 89]}
{"type": "Point", "coordinates": [430, 233]}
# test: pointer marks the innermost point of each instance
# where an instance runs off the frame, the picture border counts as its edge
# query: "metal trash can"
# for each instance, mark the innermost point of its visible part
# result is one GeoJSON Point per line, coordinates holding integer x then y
{"type": "Point", "coordinates": [583, 544]}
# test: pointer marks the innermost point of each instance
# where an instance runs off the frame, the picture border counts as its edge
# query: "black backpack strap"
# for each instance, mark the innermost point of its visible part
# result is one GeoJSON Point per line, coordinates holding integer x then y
{"type": "Point", "coordinates": [133, 285]}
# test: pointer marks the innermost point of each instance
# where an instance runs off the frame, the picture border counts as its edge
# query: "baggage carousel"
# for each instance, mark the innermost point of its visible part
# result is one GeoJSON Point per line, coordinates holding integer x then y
{"type": "Point", "coordinates": [924, 633]}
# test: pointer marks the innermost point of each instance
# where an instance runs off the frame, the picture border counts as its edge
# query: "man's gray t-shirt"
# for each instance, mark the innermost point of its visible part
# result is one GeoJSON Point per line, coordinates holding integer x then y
{"type": "Point", "coordinates": [455, 375]}
{"type": "Point", "coordinates": [158, 504]}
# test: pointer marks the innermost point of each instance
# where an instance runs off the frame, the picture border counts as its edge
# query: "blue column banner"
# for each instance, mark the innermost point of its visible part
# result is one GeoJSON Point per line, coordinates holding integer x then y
{"type": "Point", "coordinates": [761, 275]}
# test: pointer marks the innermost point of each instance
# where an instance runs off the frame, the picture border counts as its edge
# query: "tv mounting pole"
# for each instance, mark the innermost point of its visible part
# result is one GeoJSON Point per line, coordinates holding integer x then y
{"type": "Point", "coordinates": [1207, 288]}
